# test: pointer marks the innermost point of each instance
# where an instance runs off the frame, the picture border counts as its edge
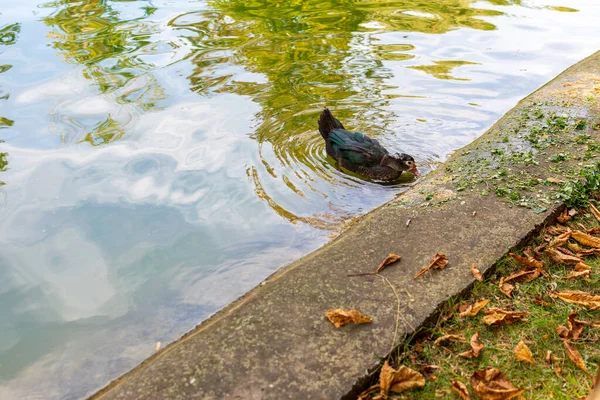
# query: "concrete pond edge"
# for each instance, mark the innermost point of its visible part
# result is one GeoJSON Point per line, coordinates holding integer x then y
{"type": "Point", "coordinates": [487, 199]}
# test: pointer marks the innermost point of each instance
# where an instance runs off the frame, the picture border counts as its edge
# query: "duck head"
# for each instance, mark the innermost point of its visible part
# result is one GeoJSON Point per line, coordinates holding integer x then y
{"type": "Point", "coordinates": [400, 162]}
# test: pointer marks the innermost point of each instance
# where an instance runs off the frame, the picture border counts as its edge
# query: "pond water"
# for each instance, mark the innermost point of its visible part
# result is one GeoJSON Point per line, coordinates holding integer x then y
{"type": "Point", "coordinates": [161, 158]}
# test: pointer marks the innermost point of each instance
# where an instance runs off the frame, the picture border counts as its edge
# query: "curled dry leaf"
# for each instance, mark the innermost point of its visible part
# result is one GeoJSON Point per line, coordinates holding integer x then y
{"type": "Point", "coordinates": [574, 247]}
{"type": "Point", "coordinates": [460, 389]}
{"type": "Point", "coordinates": [594, 230]}
{"type": "Point", "coordinates": [564, 217]}
{"type": "Point", "coordinates": [476, 274]}
{"type": "Point", "coordinates": [498, 316]}
{"type": "Point", "coordinates": [560, 240]}
{"type": "Point", "coordinates": [557, 370]}
{"type": "Point", "coordinates": [561, 257]}
{"type": "Point", "coordinates": [491, 384]}
{"type": "Point", "coordinates": [529, 261]}
{"type": "Point", "coordinates": [585, 239]}
{"type": "Point", "coordinates": [549, 357]}
{"type": "Point", "coordinates": [574, 330]}
{"type": "Point", "coordinates": [556, 230]}
{"type": "Point", "coordinates": [585, 274]}
{"type": "Point", "coordinates": [340, 317]}
{"type": "Point", "coordinates": [588, 252]}
{"type": "Point", "coordinates": [447, 338]}
{"type": "Point", "coordinates": [523, 353]}
{"type": "Point", "coordinates": [575, 356]}
{"type": "Point", "coordinates": [390, 259]}
{"type": "Point", "coordinates": [473, 309]}
{"type": "Point", "coordinates": [595, 211]}
{"type": "Point", "coordinates": [506, 288]}
{"type": "Point", "coordinates": [540, 302]}
{"type": "Point", "coordinates": [439, 262]}
{"type": "Point", "coordinates": [577, 297]}
{"type": "Point", "coordinates": [476, 347]}
{"type": "Point", "coordinates": [523, 276]}
{"type": "Point", "coordinates": [391, 380]}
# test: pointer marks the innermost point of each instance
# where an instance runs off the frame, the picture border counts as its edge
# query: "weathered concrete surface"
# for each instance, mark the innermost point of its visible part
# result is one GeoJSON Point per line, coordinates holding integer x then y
{"type": "Point", "coordinates": [275, 343]}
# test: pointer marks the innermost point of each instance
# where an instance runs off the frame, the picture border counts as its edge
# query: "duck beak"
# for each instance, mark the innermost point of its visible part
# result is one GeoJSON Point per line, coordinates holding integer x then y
{"type": "Point", "coordinates": [414, 170]}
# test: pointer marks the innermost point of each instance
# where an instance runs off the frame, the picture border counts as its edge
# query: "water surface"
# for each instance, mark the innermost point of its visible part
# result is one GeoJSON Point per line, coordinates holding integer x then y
{"type": "Point", "coordinates": [160, 158]}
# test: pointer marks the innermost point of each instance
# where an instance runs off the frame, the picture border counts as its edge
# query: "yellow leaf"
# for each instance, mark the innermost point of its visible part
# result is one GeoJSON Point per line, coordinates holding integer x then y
{"type": "Point", "coordinates": [341, 317]}
{"type": "Point", "coordinates": [577, 297]}
{"type": "Point", "coordinates": [523, 353]}
{"type": "Point", "coordinates": [585, 239]}
{"type": "Point", "coordinates": [473, 309]}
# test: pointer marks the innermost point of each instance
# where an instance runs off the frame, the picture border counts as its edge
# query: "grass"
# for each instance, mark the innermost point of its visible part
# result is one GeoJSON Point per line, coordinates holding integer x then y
{"type": "Point", "coordinates": [537, 331]}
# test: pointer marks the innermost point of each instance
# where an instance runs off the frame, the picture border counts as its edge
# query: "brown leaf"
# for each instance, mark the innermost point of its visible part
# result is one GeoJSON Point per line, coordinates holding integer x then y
{"type": "Point", "coordinates": [560, 257]}
{"type": "Point", "coordinates": [429, 368]}
{"type": "Point", "coordinates": [523, 353]}
{"type": "Point", "coordinates": [557, 370]}
{"type": "Point", "coordinates": [575, 356]}
{"type": "Point", "coordinates": [540, 302]}
{"type": "Point", "coordinates": [460, 389]}
{"type": "Point", "coordinates": [473, 309]}
{"type": "Point", "coordinates": [498, 316]}
{"type": "Point", "coordinates": [577, 297]}
{"type": "Point", "coordinates": [523, 276]}
{"type": "Point", "coordinates": [341, 317]}
{"type": "Point", "coordinates": [574, 330]}
{"type": "Point", "coordinates": [588, 252]}
{"type": "Point", "coordinates": [391, 380]}
{"type": "Point", "coordinates": [538, 251]}
{"type": "Point", "coordinates": [476, 347]}
{"type": "Point", "coordinates": [390, 259]}
{"type": "Point", "coordinates": [529, 261]}
{"type": "Point", "coordinates": [566, 251]}
{"type": "Point", "coordinates": [439, 262]}
{"type": "Point", "coordinates": [556, 230]}
{"type": "Point", "coordinates": [476, 274]}
{"type": "Point", "coordinates": [564, 217]}
{"type": "Point", "coordinates": [506, 288]}
{"type": "Point", "coordinates": [446, 338]}
{"type": "Point", "coordinates": [595, 211]}
{"type": "Point", "coordinates": [491, 384]}
{"type": "Point", "coordinates": [585, 239]}
{"type": "Point", "coordinates": [579, 274]}
{"type": "Point", "coordinates": [594, 230]}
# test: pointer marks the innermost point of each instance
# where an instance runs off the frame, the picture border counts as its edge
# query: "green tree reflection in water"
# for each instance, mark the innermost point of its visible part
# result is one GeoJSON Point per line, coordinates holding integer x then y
{"type": "Point", "coordinates": [91, 34]}
{"type": "Point", "coordinates": [307, 54]}
{"type": "Point", "coordinates": [8, 37]}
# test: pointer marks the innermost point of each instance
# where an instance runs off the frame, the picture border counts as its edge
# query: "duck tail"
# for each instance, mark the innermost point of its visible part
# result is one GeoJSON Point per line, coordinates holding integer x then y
{"type": "Point", "coordinates": [328, 123]}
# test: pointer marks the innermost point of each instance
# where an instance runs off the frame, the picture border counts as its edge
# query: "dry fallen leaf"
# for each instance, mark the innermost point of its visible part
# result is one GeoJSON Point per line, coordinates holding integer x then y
{"type": "Point", "coordinates": [585, 239]}
{"type": "Point", "coordinates": [595, 211]}
{"type": "Point", "coordinates": [577, 297]}
{"type": "Point", "coordinates": [529, 261]}
{"type": "Point", "coordinates": [439, 262]}
{"type": "Point", "coordinates": [560, 240]}
{"type": "Point", "coordinates": [506, 288]}
{"type": "Point", "coordinates": [341, 317]}
{"type": "Point", "coordinates": [390, 259]}
{"type": "Point", "coordinates": [540, 302]}
{"type": "Point", "coordinates": [476, 274]}
{"type": "Point", "coordinates": [588, 252]}
{"type": "Point", "coordinates": [561, 257]}
{"type": "Point", "coordinates": [498, 316]}
{"type": "Point", "coordinates": [491, 384]}
{"type": "Point", "coordinates": [579, 274]}
{"type": "Point", "coordinates": [391, 380]}
{"type": "Point", "coordinates": [549, 357]}
{"type": "Point", "coordinates": [575, 356]}
{"type": "Point", "coordinates": [446, 338]}
{"type": "Point", "coordinates": [557, 370]}
{"type": "Point", "coordinates": [564, 217]}
{"type": "Point", "coordinates": [574, 330]}
{"type": "Point", "coordinates": [476, 347]}
{"type": "Point", "coordinates": [594, 230]}
{"type": "Point", "coordinates": [574, 247]}
{"type": "Point", "coordinates": [523, 275]}
{"type": "Point", "coordinates": [473, 309]}
{"type": "Point", "coordinates": [556, 230]}
{"type": "Point", "coordinates": [523, 353]}
{"type": "Point", "coordinates": [460, 389]}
